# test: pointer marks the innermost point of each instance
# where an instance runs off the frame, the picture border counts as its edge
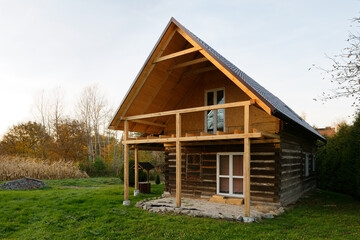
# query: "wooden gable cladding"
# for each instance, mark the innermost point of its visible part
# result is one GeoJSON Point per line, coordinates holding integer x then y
{"type": "Point", "coordinates": [195, 96]}
{"type": "Point", "coordinates": [176, 66]}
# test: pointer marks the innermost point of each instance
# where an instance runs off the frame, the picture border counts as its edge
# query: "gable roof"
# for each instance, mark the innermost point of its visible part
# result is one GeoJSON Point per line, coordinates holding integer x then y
{"type": "Point", "coordinates": [269, 102]}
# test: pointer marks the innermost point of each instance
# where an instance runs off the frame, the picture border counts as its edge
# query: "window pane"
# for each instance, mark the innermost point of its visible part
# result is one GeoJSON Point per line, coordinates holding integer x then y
{"type": "Point", "coordinates": [220, 97]}
{"type": "Point", "coordinates": [210, 98]}
{"type": "Point", "coordinates": [238, 186]}
{"type": "Point", "coordinates": [238, 165]}
{"type": "Point", "coordinates": [220, 119]}
{"type": "Point", "coordinates": [210, 121]}
{"type": "Point", "coordinates": [224, 165]}
{"type": "Point", "coordinates": [224, 185]}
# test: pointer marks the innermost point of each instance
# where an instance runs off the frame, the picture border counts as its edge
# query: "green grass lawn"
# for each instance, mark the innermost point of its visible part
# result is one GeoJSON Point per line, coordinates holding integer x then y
{"type": "Point", "coordinates": [98, 213]}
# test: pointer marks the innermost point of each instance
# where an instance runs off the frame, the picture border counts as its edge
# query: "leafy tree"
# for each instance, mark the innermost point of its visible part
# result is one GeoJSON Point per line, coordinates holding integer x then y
{"type": "Point", "coordinates": [345, 71]}
{"type": "Point", "coordinates": [26, 139]}
{"type": "Point", "coordinates": [70, 140]}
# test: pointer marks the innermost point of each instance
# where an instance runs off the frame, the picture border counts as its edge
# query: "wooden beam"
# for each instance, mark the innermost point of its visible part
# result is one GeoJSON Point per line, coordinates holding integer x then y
{"type": "Point", "coordinates": [226, 72]}
{"type": "Point", "coordinates": [136, 168]}
{"type": "Point", "coordinates": [147, 74]}
{"type": "Point", "coordinates": [246, 118]}
{"type": "Point", "coordinates": [221, 142]}
{"type": "Point", "coordinates": [178, 160]}
{"type": "Point", "coordinates": [196, 138]}
{"type": "Point", "coordinates": [149, 123]}
{"type": "Point", "coordinates": [189, 63]}
{"type": "Point", "coordinates": [247, 176]}
{"type": "Point", "coordinates": [201, 70]}
{"type": "Point", "coordinates": [189, 110]}
{"type": "Point", "coordinates": [126, 164]}
{"type": "Point", "coordinates": [270, 135]}
{"type": "Point", "coordinates": [177, 54]}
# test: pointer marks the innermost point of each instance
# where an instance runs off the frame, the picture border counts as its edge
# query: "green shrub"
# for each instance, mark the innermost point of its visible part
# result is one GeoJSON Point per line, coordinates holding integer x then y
{"type": "Point", "coordinates": [142, 174]}
{"type": "Point", "coordinates": [98, 167]}
{"type": "Point", "coordinates": [157, 181]}
{"type": "Point", "coordinates": [338, 162]}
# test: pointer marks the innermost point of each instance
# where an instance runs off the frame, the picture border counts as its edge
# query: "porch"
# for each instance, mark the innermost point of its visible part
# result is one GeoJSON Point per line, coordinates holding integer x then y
{"type": "Point", "coordinates": [180, 139]}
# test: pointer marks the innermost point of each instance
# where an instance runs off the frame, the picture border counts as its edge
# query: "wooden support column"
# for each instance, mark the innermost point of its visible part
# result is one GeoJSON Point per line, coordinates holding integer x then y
{"type": "Point", "coordinates": [136, 190]}
{"type": "Point", "coordinates": [178, 160]}
{"type": "Point", "coordinates": [126, 164]}
{"type": "Point", "coordinates": [247, 161]}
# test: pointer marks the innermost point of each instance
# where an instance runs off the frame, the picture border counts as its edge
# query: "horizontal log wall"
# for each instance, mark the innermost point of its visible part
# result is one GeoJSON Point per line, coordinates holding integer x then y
{"type": "Point", "coordinates": [294, 147]}
{"type": "Point", "coordinates": [199, 171]}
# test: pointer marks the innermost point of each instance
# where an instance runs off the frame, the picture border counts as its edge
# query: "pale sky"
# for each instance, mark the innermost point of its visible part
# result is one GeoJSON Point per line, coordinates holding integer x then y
{"type": "Point", "coordinates": [76, 43]}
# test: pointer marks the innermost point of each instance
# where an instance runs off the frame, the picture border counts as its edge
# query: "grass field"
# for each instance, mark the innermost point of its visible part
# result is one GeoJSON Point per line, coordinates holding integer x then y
{"type": "Point", "coordinates": [98, 213]}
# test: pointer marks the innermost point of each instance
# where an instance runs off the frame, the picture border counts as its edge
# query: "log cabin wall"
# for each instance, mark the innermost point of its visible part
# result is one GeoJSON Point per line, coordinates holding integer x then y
{"type": "Point", "coordinates": [199, 170]}
{"type": "Point", "coordinates": [295, 145]}
{"type": "Point", "coordinates": [234, 117]}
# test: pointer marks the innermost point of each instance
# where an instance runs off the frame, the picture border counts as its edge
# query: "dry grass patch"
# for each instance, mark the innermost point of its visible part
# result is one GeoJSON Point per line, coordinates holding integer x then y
{"type": "Point", "coordinates": [12, 167]}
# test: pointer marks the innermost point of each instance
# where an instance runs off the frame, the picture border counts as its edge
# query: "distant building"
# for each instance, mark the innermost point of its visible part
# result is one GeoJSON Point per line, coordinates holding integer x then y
{"type": "Point", "coordinates": [326, 131]}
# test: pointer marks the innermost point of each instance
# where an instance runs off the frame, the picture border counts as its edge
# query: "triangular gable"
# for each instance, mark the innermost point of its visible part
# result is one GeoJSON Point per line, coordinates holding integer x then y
{"type": "Point", "coordinates": [266, 100]}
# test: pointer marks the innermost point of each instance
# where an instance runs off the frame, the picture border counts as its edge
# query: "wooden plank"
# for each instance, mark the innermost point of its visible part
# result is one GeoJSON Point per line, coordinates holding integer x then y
{"type": "Point", "coordinates": [246, 119]}
{"type": "Point", "coordinates": [126, 162]}
{"type": "Point", "coordinates": [247, 176]}
{"type": "Point", "coordinates": [149, 123]}
{"type": "Point", "coordinates": [136, 169]}
{"type": "Point", "coordinates": [189, 110]}
{"type": "Point", "coordinates": [197, 138]}
{"type": "Point", "coordinates": [226, 72]}
{"type": "Point", "coordinates": [178, 160]}
{"type": "Point", "coordinates": [189, 63]}
{"type": "Point", "coordinates": [177, 54]}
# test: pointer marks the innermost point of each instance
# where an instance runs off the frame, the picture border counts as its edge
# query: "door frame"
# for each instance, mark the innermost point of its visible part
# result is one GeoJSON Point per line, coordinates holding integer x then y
{"type": "Point", "coordinates": [230, 176]}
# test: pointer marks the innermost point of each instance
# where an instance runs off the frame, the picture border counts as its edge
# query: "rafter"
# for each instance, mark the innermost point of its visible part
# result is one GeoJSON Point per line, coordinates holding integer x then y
{"type": "Point", "coordinates": [177, 54]}
{"type": "Point", "coordinates": [189, 63]}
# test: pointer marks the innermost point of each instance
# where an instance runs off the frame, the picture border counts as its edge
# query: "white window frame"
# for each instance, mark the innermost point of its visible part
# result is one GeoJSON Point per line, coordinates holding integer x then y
{"type": "Point", "coordinates": [215, 111]}
{"type": "Point", "coordinates": [230, 176]}
{"type": "Point", "coordinates": [307, 156]}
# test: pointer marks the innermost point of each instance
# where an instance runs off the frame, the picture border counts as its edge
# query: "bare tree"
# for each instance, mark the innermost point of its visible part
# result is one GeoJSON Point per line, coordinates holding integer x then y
{"type": "Point", "coordinates": [93, 110]}
{"type": "Point", "coordinates": [345, 71]}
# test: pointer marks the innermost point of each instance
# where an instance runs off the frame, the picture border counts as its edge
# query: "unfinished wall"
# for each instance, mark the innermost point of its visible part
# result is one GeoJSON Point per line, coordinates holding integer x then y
{"type": "Point", "coordinates": [295, 144]}
{"type": "Point", "coordinates": [199, 171]}
{"type": "Point", "coordinates": [234, 117]}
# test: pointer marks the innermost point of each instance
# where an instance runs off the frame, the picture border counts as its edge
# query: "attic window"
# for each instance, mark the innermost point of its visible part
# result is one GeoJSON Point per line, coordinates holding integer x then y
{"type": "Point", "coordinates": [215, 119]}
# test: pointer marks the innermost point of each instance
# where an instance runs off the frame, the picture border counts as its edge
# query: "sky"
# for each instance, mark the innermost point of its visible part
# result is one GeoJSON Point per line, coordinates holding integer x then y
{"type": "Point", "coordinates": [72, 44]}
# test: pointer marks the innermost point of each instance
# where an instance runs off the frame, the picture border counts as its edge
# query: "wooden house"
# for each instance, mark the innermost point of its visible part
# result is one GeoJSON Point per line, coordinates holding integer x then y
{"type": "Point", "coordinates": [222, 132]}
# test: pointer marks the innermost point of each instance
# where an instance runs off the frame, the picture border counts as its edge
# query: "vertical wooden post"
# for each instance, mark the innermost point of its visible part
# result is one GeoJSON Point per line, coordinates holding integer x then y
{"type": "Point", "coordinates": [247, 161]}
{"type": "Point", "coordinates": [136, 190]}
{"type": "Point", "coordinates": [126, 164]}
{"type": "Point", "coordinates": [178, 160]}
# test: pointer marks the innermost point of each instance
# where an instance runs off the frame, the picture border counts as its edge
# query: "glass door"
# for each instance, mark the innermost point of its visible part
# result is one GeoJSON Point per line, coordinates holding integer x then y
{"type": "Point", "coordinates": [230, 174]}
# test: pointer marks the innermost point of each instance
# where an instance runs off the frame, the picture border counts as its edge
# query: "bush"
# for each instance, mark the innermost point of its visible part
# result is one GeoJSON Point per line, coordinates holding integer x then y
{"type": "Point", "coordinates": [142, 174]}
{"type": "Point", "coordinates": [338, 162]}
{"type": "Point", "coordinates": [94, 169]}
{"type": "Point", "coordinates": [98, 167]}
{"type": "Point", "coordinates": [157, 181]}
